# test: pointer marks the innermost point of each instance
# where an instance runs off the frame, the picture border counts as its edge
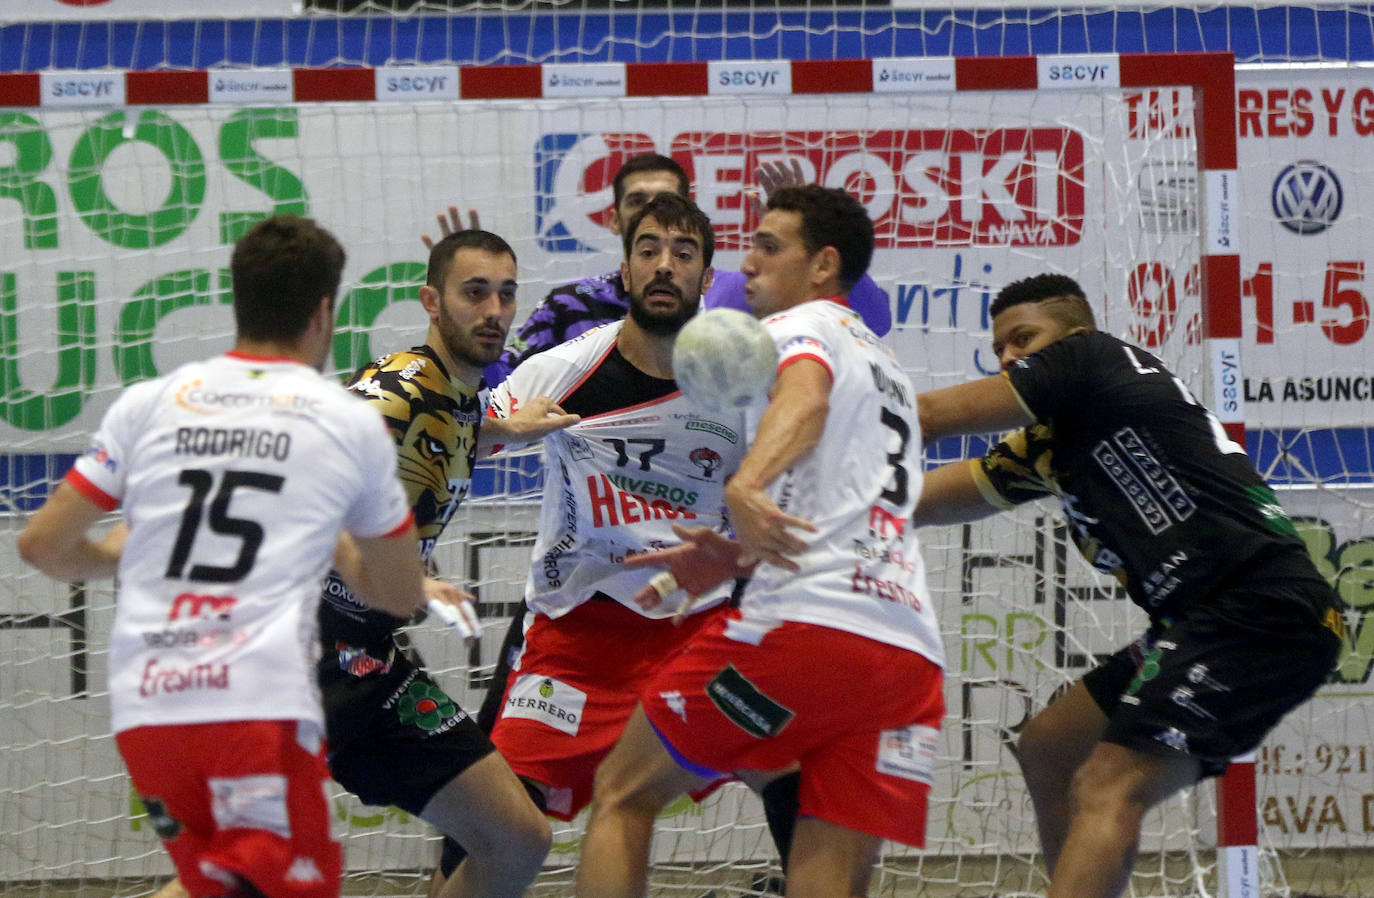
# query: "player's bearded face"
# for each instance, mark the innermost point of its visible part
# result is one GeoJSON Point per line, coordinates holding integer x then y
{"type": "Point", "coordinates": [665, 276]}
{"type": "Point", "coordinates": [659, 320]}
{"type": "Point", "coordinates": [462, 339]}
{"type": "Point", "coordinates": [477, 306]}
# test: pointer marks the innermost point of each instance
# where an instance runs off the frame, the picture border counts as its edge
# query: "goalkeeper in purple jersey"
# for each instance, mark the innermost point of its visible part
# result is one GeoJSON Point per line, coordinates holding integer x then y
{"type": "Point", "coordinates": [577, 307]}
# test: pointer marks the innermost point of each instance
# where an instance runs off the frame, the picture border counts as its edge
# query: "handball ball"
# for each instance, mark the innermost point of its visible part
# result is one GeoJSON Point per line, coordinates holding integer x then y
{"type": "Point", "coordinates": [724, 360]}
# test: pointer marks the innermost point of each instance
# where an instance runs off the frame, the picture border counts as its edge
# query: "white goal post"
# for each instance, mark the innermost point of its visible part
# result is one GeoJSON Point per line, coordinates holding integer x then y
{"type": "Point", "coordinates": [120, 193]}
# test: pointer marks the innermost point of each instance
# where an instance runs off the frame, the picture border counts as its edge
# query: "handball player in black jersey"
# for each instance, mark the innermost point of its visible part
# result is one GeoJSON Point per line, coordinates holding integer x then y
{"type": "Point", "coordinates": [1242, 626]}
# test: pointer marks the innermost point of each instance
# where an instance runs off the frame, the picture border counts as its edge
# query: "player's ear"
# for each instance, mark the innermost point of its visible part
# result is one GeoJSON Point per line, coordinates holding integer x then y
{"type": "Point", "coordinates": [429, 298]}
{"type": "Point", "coordinates": [325, 312]}
{"type": "Point", "coordinates": [707, 277]}
{"type": "Point", "coordinates": [625, 274]}
{"type": "Point", "coordinates": [825, 264]}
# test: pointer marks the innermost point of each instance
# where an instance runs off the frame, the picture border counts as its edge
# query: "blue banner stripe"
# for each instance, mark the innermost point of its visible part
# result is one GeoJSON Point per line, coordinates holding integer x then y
{"type": "Point", "coordinates": [1272, 34]}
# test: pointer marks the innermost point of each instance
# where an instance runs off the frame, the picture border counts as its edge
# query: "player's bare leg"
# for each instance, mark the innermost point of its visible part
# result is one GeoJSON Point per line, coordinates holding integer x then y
{"type": "Point", "coordinates": [486, 810]}
{"type": "Point", "coordinates": [828, 860]}
{"type": "Point", "coordinates": [1052, 746]}
{"type": "Point", "coordinates": [635, 782]}
{"type": "Point", "coordinates": [1112, 791]}
{"type": "Point", "coordinates": [436, 883]}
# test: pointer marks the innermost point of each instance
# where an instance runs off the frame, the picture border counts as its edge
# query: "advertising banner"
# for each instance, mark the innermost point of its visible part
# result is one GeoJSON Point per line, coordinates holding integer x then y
{"type": "Point", "coordinates": [95, 10]}
{"type": "Point", "coordinates": [1304, 139]}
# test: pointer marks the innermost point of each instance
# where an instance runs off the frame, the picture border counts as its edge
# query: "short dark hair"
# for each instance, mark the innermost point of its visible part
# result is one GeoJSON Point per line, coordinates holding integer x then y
{"type": "Point", "coordinates": [442, 253]}
{"type": "Point", "coordinates": [649, 162]}
{"type": "Point", "coordinates": [674, 211]}
{"type": "Point", "coordinates": [1061, 295]}
{"type": "Point", "coordinates": [831, 217]}
{"type": "Point", "coordinates": [281, 270]}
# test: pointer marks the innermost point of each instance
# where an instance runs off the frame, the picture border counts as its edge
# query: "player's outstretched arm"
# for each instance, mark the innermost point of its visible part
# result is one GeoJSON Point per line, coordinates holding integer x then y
{"type": "Point", "coordinates": [384, 572]}
{"type": "Point", "coordinates": [57, 542]}
{"type": "Point", "coordinates": [987, 405]}
{"type": "Point", "coordinates": [533, 421]}
{"type": "Point", "coordinates": [950, 495]}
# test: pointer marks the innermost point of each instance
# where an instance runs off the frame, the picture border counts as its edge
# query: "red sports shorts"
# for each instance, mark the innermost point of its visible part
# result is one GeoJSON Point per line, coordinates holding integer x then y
{"type": "Point", "coordinates": [239, 800]}
{"type": "Point", "coordinates": [862, 717]}
{"type": "Point", "coordinates": [579, 679]}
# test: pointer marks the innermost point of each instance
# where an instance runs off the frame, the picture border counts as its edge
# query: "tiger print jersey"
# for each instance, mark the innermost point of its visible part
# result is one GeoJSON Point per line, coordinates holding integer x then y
{"type": "Point", "coordinates": [434, 419]}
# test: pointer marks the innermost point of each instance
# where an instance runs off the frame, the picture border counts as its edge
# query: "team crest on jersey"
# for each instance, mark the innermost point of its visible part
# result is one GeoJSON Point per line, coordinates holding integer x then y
{"type": "Point", "coordinates": [358, 663]}
{"type": "Point", "coordinates": [706, 459]}
{"type": "Point", "coordinates": [579, 449]}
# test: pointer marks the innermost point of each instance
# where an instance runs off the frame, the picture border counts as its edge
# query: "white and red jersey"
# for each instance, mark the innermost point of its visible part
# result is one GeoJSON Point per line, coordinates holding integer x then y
{"type": "Point", "coordinates": [616, 482]}
{"type": "Point", "coordinates": [236, 475]}
{"type": "Point", "coordinates": [863, 571]}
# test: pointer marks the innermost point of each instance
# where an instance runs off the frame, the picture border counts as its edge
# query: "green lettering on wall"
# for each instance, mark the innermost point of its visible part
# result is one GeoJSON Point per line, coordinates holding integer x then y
{"type": "Point", "coordinates": [241, 158]}
{"type": "Point", "coordinates": [75, 319]}
{"type": "Point", "coordinates": [19, 182]}
{"type": "Point", "coordinates": [137, 230]}
{"type": "Point", "coordinates": [978, 638]}
{"type": "Point", "coordinates": [1350, 569]}
{"type": "Point", "coordinates": [378, 289]}
{"type": "Point", "coordinates": [138, 319]}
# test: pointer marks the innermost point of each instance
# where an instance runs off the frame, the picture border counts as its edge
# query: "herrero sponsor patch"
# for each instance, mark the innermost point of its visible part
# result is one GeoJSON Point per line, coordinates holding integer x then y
{"type": "Point", "coordinates": [909, 753]}
{"type": "Point", "coordinates": [549, 701]}
{"type": "Point", "coordinates": [747, 707]}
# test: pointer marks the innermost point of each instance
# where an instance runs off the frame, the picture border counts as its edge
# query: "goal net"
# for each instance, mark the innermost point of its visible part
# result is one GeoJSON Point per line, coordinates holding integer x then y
{"type": "Point", "coordinates": [119, 211]}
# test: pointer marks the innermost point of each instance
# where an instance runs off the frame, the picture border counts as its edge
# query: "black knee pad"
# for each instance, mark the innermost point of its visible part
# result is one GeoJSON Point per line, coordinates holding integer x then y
{"type": "Point", "coordinates": [450, 856]}
{"type": "Point", "coordinates": [781, 804]}
{"type": "Point", "coordinates": [536, 793]}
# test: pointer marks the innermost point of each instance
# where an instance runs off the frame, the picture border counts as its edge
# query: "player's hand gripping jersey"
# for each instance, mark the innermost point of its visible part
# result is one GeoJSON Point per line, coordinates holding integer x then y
{"type": "Point", "coordinates": [236, 475]}
{"type": "Point", "coordinates": [642, 459]}
{"type": "Point", "coordinates": [1154, 491]}
{"type": "Point", "coordinates": [863, 571]}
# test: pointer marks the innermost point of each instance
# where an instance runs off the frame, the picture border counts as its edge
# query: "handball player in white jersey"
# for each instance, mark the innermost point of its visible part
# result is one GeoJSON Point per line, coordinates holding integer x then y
{"type": "Point", "coordinates": [237, 476]}
{"type": "Point", "coordinates": [822, 500]}
{"type": "Point", "coordinates": [641, 459]}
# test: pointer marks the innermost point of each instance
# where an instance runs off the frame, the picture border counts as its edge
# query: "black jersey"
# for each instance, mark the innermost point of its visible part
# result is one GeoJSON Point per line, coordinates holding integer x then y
{"type": "Point", "coordinates": [1154, 491]}
{"type": "Point", "coordinates": [434, 420]}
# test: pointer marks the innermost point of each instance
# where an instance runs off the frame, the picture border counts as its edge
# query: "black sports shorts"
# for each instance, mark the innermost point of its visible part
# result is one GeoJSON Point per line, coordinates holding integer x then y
{"type": "Point", "coordinates": [397, 738]}
{"type": "Point", "coordinates": [1213, 681]}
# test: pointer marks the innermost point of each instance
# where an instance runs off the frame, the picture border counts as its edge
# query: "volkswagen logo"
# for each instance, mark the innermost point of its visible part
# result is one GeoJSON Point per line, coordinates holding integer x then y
{"type": "Point", "coordinates": [1307, 197]}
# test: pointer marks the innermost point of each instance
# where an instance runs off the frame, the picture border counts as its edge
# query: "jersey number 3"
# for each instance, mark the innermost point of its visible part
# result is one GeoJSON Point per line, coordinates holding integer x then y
{"type": "Point", "coordinates": [249, 533]}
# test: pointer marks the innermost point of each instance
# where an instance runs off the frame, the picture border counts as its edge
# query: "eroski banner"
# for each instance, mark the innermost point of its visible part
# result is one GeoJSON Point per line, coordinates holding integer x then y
{"type": "Point", "coordinates": [121, 220]}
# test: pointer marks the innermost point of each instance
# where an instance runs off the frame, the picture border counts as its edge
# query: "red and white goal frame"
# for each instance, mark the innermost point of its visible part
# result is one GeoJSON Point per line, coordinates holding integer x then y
{"type": "Point", "coordinates": [1208, 76]}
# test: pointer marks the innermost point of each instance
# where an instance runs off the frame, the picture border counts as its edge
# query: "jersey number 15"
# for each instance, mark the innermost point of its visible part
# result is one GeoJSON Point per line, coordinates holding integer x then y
{"type": "Point", "coordinates": [249, 533]}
